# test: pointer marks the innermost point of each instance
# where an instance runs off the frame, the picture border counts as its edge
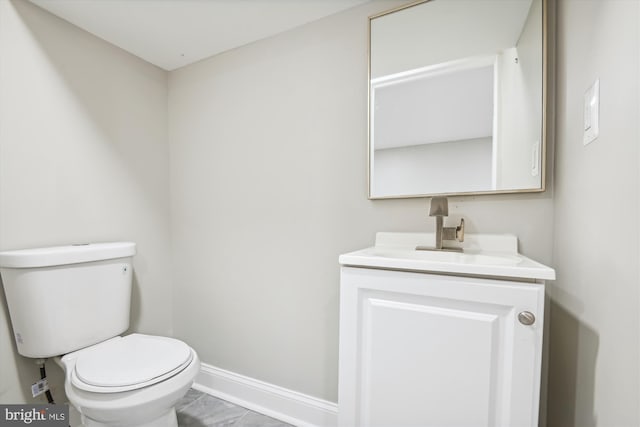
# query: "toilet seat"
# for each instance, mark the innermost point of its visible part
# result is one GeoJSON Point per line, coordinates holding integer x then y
{"type": "Point", "coordinates": [129, 363]}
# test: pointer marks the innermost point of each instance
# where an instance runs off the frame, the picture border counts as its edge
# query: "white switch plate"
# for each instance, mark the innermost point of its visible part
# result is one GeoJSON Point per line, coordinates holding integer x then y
{"type": "Point", "coordinates": [592, 113]}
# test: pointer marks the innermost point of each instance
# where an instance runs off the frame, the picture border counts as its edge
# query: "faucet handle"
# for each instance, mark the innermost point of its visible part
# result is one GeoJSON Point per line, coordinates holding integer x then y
{"type": "Point", "coordinates": [460, 231]}
{"type": "Point", "coordinates": [454, 233]}
{"type": "Point", "coordinates": [439, 206]}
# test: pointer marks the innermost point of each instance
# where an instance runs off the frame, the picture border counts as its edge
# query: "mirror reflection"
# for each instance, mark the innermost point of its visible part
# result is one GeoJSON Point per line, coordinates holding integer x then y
{"type": "Point", "coordinates": [456, 98]}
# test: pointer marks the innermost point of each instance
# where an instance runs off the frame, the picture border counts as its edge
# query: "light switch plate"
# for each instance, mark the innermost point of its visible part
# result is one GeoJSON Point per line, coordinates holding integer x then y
{"type": "Point", "coordinates": [592, 113]}
{"type": "Point", "coordinates": [535, 159]}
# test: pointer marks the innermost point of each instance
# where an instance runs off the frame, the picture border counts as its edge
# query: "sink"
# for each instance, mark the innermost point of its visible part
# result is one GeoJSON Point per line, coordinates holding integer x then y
{"type": "Point", "coordinates": [469, 257]}
{"type": "Point", "coordinates": [483, 255]}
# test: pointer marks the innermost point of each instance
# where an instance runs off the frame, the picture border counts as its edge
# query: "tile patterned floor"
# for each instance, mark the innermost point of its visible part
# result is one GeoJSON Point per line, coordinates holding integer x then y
{"type": "Point", "coordinates": [199, 409]}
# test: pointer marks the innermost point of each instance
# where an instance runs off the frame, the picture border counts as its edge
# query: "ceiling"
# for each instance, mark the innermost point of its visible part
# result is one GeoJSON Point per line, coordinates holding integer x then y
{"type": "Point", "coordinates": [175, 33]}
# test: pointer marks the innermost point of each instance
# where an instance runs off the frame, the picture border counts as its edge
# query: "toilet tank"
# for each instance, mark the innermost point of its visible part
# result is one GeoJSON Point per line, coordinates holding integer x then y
{"type": "Point", "coordinates": [65, 298]}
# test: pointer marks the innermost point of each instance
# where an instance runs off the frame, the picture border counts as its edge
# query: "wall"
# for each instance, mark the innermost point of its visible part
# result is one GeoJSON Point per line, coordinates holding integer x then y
{"type": "Point", "coordinates": [83, 158]}
{"type": "Point", "coordinates": [429, 168]}
{"type": "Point", "coordinates": [268, 187]}
{"type": "Point", "coordinates": [520, 105]}
{"type": "Point", "coordinates": [594, 340]}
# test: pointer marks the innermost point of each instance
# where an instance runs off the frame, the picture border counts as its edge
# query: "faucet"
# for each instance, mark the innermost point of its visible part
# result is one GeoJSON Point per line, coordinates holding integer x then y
{"type": "Point", "coordinates": [440, 208]}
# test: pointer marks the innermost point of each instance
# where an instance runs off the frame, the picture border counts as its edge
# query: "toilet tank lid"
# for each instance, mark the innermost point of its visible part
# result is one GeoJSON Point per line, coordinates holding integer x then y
{"type": "Point", "coordinates": [62, 255]}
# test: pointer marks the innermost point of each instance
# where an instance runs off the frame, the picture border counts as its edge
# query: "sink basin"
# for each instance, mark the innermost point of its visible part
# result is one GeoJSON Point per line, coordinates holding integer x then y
{"type": "Point", "coordinates": [450, 257]}
{"type": "Point", "coordinates": [483, 255]}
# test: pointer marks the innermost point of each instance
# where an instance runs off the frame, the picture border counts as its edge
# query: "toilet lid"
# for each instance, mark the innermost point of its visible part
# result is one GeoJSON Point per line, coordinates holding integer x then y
{"type": "Point", "coordinates": [131, 362]}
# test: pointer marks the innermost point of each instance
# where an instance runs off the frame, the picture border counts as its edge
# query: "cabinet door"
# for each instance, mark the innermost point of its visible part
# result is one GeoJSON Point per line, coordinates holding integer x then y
{"type": "Point", "coordinates": [427, 350]}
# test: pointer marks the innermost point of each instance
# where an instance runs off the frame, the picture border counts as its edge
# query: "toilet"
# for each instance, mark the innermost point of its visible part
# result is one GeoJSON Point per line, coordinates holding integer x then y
{"type": "Point", "coordinates": [72, 303]}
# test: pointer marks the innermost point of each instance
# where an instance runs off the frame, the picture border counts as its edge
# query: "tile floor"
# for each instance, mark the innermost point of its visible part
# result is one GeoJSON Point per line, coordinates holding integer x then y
{"type": "Point", "coordinates": [199, 409]}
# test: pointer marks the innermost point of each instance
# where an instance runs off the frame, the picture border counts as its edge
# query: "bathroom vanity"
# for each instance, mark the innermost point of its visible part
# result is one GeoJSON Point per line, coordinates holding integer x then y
{"type": "Point", "coordinates": [436, 338]}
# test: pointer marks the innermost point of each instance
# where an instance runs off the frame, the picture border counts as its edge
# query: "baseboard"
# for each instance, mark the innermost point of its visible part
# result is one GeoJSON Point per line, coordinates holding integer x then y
{"type": "Point", "coordinates": [286, 405]}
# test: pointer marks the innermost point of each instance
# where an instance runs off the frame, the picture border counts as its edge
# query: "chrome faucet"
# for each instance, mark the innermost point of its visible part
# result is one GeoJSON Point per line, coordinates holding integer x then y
{"type": "Point", "coordinates": [440, 208]}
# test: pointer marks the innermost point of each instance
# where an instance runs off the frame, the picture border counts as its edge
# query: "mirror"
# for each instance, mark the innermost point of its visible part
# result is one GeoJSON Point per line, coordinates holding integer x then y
{"type": "Point", "coordinates": [456, 98]}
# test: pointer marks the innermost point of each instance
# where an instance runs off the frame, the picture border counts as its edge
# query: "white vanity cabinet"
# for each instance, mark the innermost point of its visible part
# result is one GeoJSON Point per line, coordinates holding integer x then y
{"type": "Point", "coordinates": [430, 346]}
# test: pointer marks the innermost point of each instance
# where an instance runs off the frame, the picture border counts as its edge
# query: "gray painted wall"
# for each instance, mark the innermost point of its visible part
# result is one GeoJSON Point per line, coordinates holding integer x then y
{"type": "Point", "coordinates": [594, 345]}
{"type": "Point", "coordinates": [444, 167]}
{"type": "Point", "coordinates": [268, 187]}
{"type": "Point", "coordinates": [83, 158]}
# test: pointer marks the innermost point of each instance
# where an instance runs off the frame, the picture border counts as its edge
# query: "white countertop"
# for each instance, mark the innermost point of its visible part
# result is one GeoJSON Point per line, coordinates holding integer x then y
{"type": "Point", "coordinates": [484, 255]}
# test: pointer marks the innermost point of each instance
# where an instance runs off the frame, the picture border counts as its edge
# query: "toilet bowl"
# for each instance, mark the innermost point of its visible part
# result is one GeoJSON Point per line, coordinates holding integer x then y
{"type": "Point", "coordinates": [134, 380]}
{"type": "Point", "coordinates": [72, 303]}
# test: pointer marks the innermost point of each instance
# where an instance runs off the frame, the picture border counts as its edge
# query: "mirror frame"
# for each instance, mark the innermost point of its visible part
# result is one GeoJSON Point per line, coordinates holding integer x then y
{"type": "Point", "coordinates": [543, 136]}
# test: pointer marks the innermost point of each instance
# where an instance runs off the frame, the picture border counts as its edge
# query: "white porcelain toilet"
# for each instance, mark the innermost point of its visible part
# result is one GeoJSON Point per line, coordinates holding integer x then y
{"type": "Point", "coordinates": [71, 303]}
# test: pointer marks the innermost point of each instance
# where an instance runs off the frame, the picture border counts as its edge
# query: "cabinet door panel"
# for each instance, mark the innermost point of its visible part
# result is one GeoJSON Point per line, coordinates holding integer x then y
{"type": "Point", "coordinates": [421, 361]}
{"type": "Point", "coordinates": [427, 350]}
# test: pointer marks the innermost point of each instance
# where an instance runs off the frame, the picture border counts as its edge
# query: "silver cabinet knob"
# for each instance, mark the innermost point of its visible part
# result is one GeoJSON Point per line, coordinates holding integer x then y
{"type": "Point", "coordinates": [526, 318]}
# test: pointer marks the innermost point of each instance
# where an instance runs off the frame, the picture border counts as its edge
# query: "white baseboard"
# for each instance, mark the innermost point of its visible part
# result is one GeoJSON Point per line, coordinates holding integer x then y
{"type": "Point", "coordinates": [287, 405]}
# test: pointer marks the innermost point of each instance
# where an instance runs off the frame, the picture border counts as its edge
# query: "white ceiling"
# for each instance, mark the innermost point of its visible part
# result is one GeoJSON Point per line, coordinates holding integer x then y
{"type": "Point", "coordinates": [175, 33]}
